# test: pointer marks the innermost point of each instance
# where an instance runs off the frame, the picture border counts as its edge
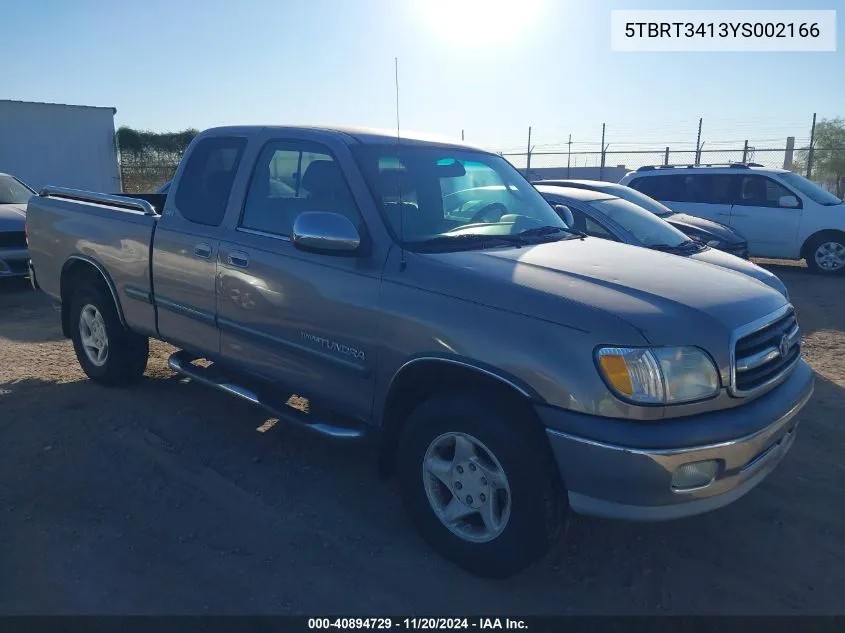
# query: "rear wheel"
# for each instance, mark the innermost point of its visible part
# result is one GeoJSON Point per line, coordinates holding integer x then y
{"type": "Point", "coordinates": [826, 254]}
{"type": "Point", "coordinates": [107, 351]}
{"type": "Point", "coordinates": [480, 484]}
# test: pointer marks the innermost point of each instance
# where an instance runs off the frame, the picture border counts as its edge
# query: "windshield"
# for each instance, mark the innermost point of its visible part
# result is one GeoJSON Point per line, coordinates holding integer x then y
{"type": "Point", "coordinates": [810, 189]}
{"type": "Point", "coordinates": [648, 229]}
{"type": "Point", "coordinates": [637, 197]}
{"type": "Point", "coordinates": [433, 195]}
{"type": "Point", "coordinates": [13, 191]}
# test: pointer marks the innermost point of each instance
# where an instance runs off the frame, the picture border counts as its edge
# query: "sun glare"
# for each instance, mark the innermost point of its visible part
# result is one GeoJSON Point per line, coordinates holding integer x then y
{"type": "Point", "coordinates": [478, 23]}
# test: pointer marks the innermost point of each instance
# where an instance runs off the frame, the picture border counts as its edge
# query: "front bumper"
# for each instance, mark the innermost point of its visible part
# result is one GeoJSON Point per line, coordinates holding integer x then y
{"type": "Point", "coordinates": [629, 481]}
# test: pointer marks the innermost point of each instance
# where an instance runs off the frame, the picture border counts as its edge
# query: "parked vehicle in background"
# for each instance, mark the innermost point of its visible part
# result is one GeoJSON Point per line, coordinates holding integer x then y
{"type": "Point", "coordinates": [714, 234]}
{"type": "Point", "coordinates": [610, 217]}
{"type": "Point", "coordinates": [781, 213]}
{"type": "Point", "coordinates": [13, 249]}
{"type": "Point", "coordinates": [510, 368]}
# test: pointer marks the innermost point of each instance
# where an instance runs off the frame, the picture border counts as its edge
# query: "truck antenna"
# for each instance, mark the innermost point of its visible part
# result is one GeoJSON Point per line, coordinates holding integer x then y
{"type": "Point", "coordinates": [402, 262]}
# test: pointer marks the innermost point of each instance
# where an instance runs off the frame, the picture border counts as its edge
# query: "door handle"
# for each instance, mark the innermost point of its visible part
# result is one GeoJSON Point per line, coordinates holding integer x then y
{"type": "Point", "coordinates": [239, 259]}
{"type": "Point", "coordinates": [722, 213]}
{"type": "Point", "coordinates": [202, 250]}
{"type": "Point", "coordinates": [740, 215]}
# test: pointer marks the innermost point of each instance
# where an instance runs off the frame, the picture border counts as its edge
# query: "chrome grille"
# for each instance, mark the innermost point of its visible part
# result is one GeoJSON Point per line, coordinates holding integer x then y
{"type": "Point", "coordinates": [766, 353]}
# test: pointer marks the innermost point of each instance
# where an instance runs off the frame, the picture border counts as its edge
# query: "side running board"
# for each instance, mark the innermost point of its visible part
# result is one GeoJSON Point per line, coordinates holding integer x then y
{"type": "Point", "coordinates": [182, 363]}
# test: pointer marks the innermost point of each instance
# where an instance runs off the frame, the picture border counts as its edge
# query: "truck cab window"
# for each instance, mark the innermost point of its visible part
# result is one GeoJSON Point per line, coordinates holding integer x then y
{"type": "Point", "coordinates": [203, 190]}
{"type": "Point", "coordinates": [292, 177]}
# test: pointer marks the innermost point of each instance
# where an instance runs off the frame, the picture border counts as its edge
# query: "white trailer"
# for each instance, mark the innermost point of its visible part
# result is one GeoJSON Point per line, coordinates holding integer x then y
{"type": "Point", "coordinates": [62, 145]}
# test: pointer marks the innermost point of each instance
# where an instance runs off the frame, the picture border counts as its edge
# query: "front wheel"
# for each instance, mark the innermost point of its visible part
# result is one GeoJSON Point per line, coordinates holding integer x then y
{"type": "Point", "coordinates": [106, 350]}
{"type": "Point", "coordinates": [826, 255]}
{"type": "Point", "coordinates": [480, 484]}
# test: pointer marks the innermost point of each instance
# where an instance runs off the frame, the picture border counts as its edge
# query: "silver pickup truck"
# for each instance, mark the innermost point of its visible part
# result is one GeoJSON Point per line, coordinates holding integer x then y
{"type": "Point", "coordinates": [510, 369]}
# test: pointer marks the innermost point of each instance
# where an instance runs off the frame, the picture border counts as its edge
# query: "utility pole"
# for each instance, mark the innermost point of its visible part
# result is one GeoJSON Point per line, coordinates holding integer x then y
{"type": "Point", "coordinates": [790, 152]}
{"type": "Point", "coordinates": [568, 155]}
{"type": "Point", "coordinates": [810, 153]}
{"type": "Point", "coordinates": [745, 152]}
{"type": "Point", "coordinates": [698, 143]}
{"type": "Point", "coordinates": [666, 156]}
{"type": "Point", "coordinates": [462, 135]}
{"type": "Point", "coordinates": [601, 169]}
{"type": "Point", "coordinates": [528, 159]}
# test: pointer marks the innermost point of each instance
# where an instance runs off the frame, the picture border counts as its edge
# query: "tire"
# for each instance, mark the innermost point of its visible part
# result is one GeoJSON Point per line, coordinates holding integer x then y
{"type": "Point", "coordinates": [538, 504]}
{"type": "Point", "coordinates": [824, 252]}
{"type": "Point", "coordinates": [126, 353]}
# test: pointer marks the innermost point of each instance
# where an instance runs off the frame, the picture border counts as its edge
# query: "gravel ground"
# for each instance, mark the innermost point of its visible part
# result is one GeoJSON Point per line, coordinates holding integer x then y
{"type": "Point", "coordinates": [163, 499]}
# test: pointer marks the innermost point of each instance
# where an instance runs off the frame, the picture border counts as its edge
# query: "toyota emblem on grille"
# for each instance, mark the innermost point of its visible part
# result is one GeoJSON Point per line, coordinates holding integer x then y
{"type": "Point", "coordinates": [784, 345]}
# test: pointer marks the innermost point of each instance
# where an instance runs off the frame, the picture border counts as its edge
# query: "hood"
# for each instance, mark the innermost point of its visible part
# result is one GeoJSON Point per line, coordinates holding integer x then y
{"type": "Point", "coordinates": [12, 217]}
{"type": "Point", "coordinates": [685, 222]}
{"type": "Point", "coordinates": [585, 284]}
{"type": "Point", "coordinates": [739, 265]}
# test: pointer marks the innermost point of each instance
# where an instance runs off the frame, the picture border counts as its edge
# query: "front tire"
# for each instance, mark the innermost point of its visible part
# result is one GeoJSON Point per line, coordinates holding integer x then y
{"type": "Point", "coordinates": [480, 484]}
{"type": "Point", "coordinates": [826, 254]}
{"type": "Point", "coordinates": [107, 351]}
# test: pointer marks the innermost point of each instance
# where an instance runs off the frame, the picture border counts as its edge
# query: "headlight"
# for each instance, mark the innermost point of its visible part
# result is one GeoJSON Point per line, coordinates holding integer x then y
{"type": "Point", "coordinates": [659, 375]}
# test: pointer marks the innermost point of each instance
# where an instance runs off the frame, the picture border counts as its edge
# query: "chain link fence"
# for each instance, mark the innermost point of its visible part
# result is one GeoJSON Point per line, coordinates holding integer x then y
{"type": "Point", "coordinates": [768, 157]}
{"type": "Point", "coordinates": [612, 165]}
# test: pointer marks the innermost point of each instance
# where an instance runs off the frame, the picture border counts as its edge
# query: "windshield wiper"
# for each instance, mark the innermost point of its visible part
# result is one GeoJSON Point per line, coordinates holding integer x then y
{"type": "Point", "coordinates": [682, 247]}
{"type": "Point", "coordinates": [549, 230]}
{"type": "Point", "coordinates": [470, 239]}
{"type": "Point", "coordinates": [667, 248]}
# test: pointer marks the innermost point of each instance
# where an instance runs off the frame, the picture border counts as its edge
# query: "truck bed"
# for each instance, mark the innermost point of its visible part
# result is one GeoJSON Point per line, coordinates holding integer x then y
{"type": "Point", "coordinates": [113, 233]}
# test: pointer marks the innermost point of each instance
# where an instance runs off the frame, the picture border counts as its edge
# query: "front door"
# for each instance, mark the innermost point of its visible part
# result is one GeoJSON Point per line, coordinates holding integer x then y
{"type": "Point", "coordinates": [299, 318]}
{"type": "Point", "coordinates": [767, 214]}
{"type": "Point", "coordinates": [186, 245]}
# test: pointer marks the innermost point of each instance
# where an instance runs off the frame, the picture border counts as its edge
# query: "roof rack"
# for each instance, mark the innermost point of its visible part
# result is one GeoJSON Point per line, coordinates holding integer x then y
{"type": "Point", "coordinates": [690, 166]}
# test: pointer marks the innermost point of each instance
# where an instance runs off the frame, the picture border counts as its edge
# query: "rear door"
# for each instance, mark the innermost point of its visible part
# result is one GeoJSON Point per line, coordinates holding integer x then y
{"type": "Point", "coordinates": [186, 245]}
{"type": "Point", "coordinates": [699, 194]}
{"type": "Point", "coordinates": [761, 214]}
{"type": "Point", "coordinates": [300, 318]}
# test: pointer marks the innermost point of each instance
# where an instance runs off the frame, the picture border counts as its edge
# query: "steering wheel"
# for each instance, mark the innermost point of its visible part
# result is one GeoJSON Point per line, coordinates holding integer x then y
{"type": "Point", "coordinates": [480, 215]}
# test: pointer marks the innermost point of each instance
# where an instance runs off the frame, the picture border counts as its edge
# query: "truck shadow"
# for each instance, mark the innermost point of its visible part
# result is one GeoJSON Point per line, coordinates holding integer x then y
{"type": "Point", "coordinates": [186, 479]}
{"type": "Point", "coordinates": [27, 315]}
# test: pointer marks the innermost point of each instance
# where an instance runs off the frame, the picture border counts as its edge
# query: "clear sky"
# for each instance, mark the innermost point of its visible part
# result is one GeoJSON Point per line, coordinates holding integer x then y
{"type": "Point", "coordinates": [490, 68]}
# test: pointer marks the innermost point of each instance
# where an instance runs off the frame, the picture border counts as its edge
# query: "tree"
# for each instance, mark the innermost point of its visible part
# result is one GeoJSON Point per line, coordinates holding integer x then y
{"type": "Point", "coordinates": [828, 154]}
{"type": "Point", "coordinates": [147, 159]}
{"type": "Point", "coordinates": [154, 144]}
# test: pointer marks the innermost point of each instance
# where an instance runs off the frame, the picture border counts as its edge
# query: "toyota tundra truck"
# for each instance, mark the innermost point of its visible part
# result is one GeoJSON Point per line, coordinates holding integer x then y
{"type": "Point", "coordinates": [510, 369]}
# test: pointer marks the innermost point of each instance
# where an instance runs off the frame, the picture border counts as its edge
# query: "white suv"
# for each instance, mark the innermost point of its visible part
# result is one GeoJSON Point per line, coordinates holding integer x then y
{"type": "Point", "coordinates": [781, 214]}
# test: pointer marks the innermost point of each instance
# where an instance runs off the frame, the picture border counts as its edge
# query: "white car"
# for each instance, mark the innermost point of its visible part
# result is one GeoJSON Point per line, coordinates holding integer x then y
{"type": "Point", "coordinates": [781, 214]}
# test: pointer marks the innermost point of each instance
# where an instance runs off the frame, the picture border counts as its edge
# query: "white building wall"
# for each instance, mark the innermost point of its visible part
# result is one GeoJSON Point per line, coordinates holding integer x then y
{"type": "Point", "coordinates": [62, 145]}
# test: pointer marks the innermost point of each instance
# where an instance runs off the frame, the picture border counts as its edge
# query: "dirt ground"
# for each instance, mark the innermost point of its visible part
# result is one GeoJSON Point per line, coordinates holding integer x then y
{"type": "Point", "coordinates": [163, 499]}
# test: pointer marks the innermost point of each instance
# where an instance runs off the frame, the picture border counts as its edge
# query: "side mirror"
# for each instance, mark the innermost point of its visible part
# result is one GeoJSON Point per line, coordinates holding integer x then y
{"type": "Point", "coordinates": [326, 233]}
{"type": "Point", "coordinates": [789, 202]}
{"type": "Point", "coordinates": [565, 214]}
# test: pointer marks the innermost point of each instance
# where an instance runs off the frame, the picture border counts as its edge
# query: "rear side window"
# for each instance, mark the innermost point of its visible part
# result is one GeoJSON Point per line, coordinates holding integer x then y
{"type": "Point", "coordinates": [203, 190]}
{"type": "Point", "coordinates": [700, 188]}
{"type": "Point", "coordinates": [654, 187]}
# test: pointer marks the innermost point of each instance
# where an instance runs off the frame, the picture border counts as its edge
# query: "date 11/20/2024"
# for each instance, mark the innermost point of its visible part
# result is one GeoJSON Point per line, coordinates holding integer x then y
{"type": "Point", "coordinates": [721, 29]}
{"type": "Point", "coordinates": [417, 624]}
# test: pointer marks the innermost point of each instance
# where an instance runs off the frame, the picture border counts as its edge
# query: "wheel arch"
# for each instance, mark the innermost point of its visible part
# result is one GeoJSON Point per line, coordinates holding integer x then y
{"type": "Point", "coordinates": [79, 267]}
{"type": "Point", "coordinates": [422, 376]}
{"type": "Point", "coordinates": [805, 247]}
